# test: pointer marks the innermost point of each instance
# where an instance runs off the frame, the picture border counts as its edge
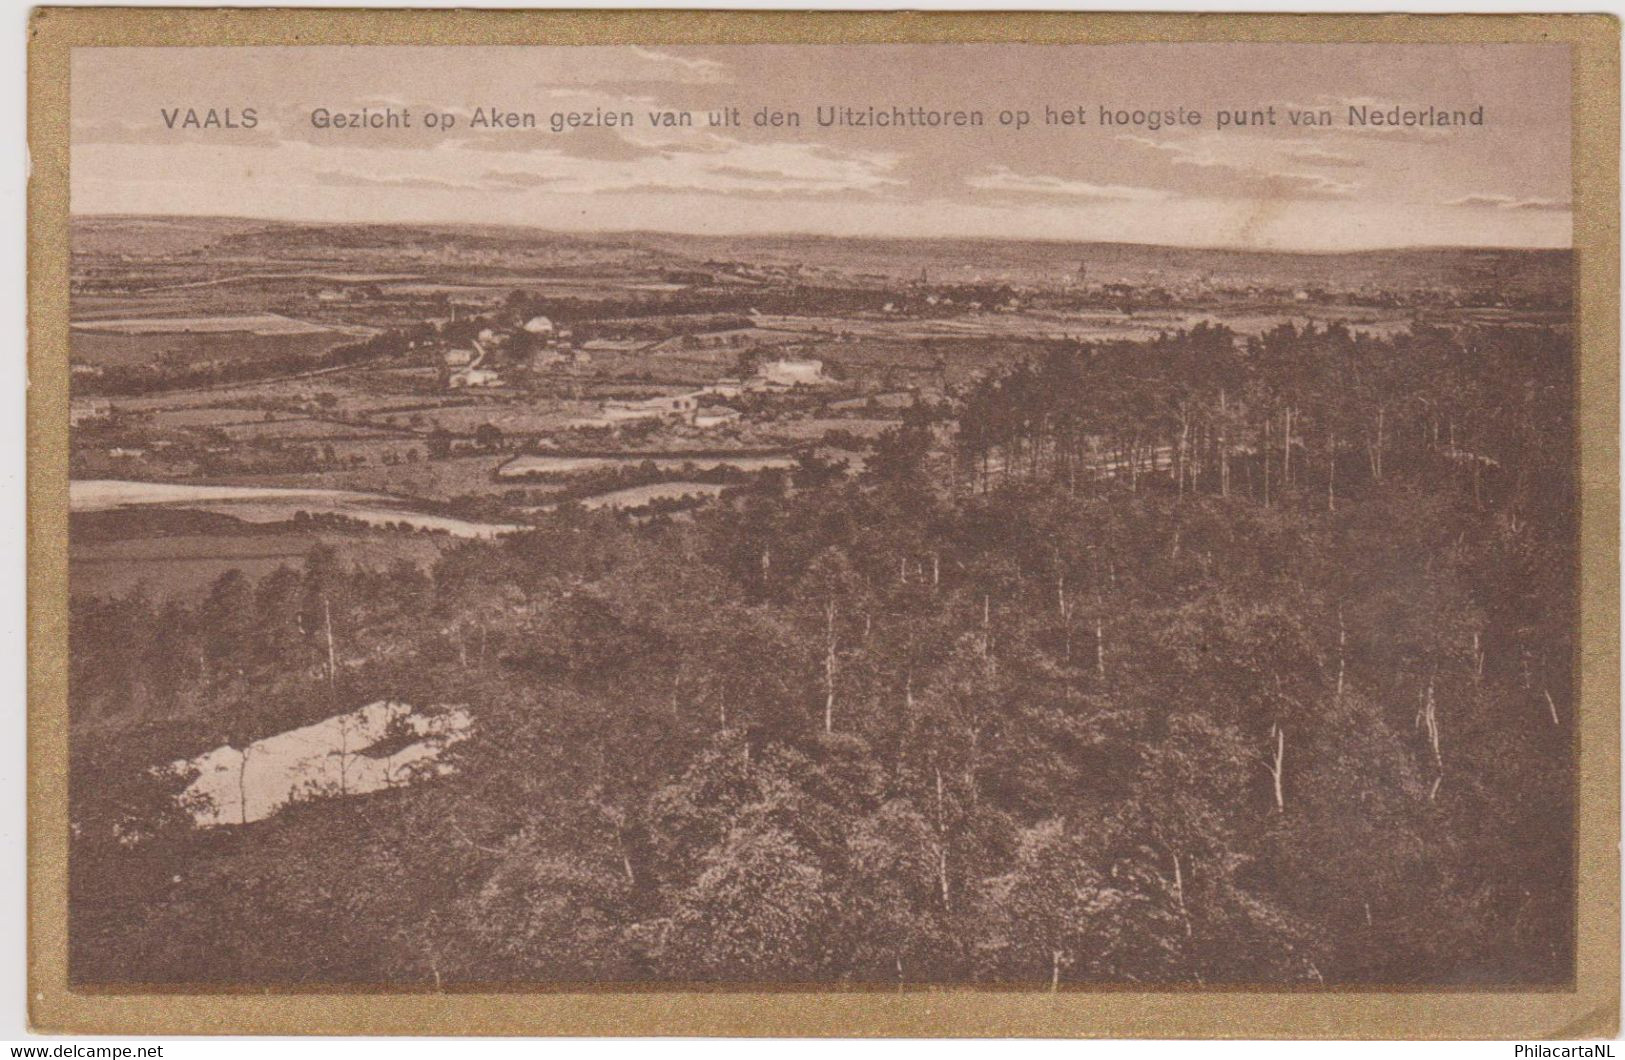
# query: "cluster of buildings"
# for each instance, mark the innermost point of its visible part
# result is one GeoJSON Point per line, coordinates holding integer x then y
{"type": "Point", "coordinates": [476, 365]}
{"type": "Point", "coordinates": [702, 408]}
{"type": "Point", "coordinates": [466, 368]}
{"type": "Point", "coordinates": [539, 346]}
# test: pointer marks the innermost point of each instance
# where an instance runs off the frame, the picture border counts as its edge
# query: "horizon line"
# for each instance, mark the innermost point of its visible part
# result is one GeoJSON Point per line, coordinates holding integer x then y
{"type": "Point", "coordinates": [803, 234]}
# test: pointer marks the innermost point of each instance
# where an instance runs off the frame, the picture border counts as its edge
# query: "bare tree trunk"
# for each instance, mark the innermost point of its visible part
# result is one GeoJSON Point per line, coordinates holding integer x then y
{"type": "Point", "coordinates": [1331, 472]}
{"type": "Point", "coordinates": [1065, 607]}
{"type": "Point", "coordinates": [1184, 434]}
{"type": "Point", "coordinates": [332, 698]}
{"type": "Point", "coordinates": [1264, 452]}
{"type": "Point", "coordinates": [242, 784]}
{"type": "Point", "coordinates": [1286, 447]}
{"type": "Point", "coordinates": [829, 665]}
{"type": "Point", "coordinates": [626, 860]}
{"type": "Point", "coordinates": [1342, 652]}
{"type": "Point", "coordinates": [1100, 646]}
{"type": "Point", "coordinates": [1428, 717]}
{"type": "Point", "coordinates": [942, 843]}
{"type": "Point", "coordinates": [332, 656]}
{"type": "Point", "coordinates": [1382, 415]}
{"type": "Point", "coordinates": [1276, 764]}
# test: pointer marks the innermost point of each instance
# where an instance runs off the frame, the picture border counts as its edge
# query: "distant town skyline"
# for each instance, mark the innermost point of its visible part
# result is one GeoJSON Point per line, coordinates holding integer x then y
{"type": "Point", "coordinates": [792, 234]}
{"type": "Point", "coordinates": [1504, 183]}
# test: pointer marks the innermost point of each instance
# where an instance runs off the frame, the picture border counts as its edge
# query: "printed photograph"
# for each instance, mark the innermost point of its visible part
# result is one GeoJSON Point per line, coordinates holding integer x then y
{"type": "Point", "coordinates": [870, 517]}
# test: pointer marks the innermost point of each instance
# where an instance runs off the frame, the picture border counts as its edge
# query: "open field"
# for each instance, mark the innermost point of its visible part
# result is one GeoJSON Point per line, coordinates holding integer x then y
{"type": "Point", "coordinates": [183, 566]}
{"type": "Point", "coordinates": [266, 504]}
{"type": "Point", "coordinates": [143, 347]}
{"type": "Point", "coordinates": [259, 324]}
{"type": "Point", "coordinates": [102, 495]}
{"type": "Point", "coordinates": [565, 464]}
{"type": "Point", "coordinates": [430, 480]}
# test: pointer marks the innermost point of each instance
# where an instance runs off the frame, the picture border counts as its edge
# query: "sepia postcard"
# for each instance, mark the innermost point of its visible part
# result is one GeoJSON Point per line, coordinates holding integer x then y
{"type": "Point", "coordinates": [824, 524]}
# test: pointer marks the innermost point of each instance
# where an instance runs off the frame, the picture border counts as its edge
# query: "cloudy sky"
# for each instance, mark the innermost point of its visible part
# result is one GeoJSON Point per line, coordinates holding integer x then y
{"type": "Point", "coordinates": [1504, 184]}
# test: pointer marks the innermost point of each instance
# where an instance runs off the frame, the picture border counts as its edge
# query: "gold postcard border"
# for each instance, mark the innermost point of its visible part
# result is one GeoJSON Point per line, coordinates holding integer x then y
{"type": "Point", "coordinates": [1589, 1010]}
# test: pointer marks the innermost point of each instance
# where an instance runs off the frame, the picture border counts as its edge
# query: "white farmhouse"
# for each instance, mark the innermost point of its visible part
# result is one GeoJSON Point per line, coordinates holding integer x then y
{"type": "Point", "coordinates": [792, 372]}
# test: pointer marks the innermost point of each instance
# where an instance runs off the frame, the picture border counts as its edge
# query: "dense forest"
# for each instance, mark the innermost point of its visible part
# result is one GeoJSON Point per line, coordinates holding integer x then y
{"type": "Point", "coordinates": [1194, 661]}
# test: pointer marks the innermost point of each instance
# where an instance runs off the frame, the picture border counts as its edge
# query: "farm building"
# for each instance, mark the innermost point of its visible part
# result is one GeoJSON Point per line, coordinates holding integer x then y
{"type": "Point", "coordinates": [471, 372]}
{"type": "Point", "coordinates": [660, 407]}
{"type": "Point", "coordinates": [474, 377]}
{"type": "Point", "coordinates": [791, 372]}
